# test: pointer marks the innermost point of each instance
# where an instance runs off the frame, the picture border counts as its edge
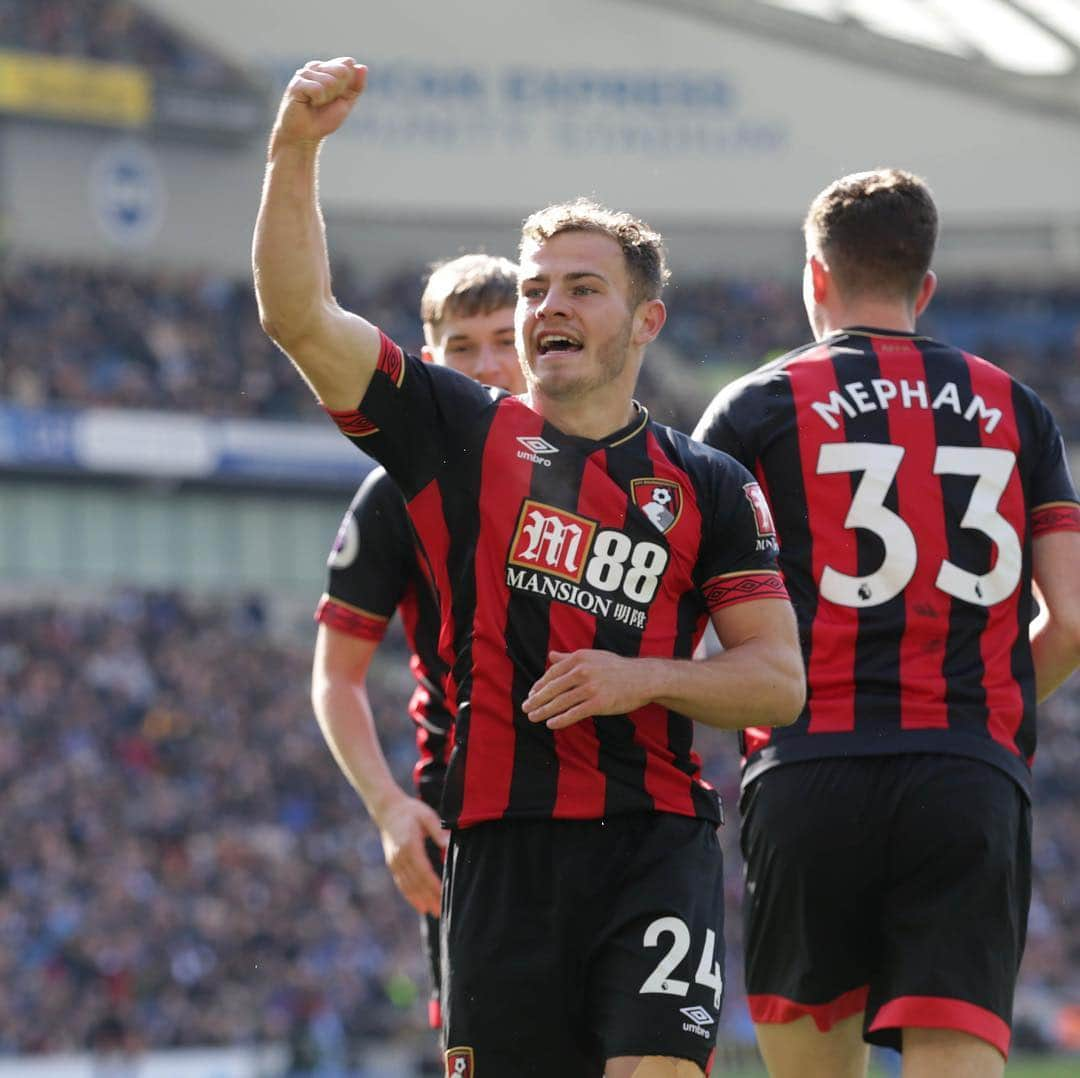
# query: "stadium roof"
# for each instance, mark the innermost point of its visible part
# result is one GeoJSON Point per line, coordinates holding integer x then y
{"type": "Point", "coordinates": [1025, 51]}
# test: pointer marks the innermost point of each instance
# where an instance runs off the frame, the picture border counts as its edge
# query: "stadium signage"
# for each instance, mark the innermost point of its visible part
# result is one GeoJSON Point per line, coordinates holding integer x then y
{"type": "Point", "coordinates": [88, 91]}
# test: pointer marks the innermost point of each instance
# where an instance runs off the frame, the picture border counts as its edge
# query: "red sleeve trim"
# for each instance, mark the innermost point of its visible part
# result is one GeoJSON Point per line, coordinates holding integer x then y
{"type": "Point", "coordinates": [391, 360]}
{"type": "Point", "coordinates": [777, 1009]}
{"type": "Point", "coordinates": [1055, 517]}
{"type": "Point", "coordinates": [350, 620]}
{"type": "Point", "coordinates": [735, 588]}
{"type": "Point", "coordinates": [353, 422]}
{"type": "Point", "coordinates": [934, 1012]}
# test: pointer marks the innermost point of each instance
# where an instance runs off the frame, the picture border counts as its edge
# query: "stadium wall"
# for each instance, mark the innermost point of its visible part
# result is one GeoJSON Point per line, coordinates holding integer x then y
{"type": "Point", "coordinates": [480, 111]}
{"type": "Point", "coordinates": [89, 194]}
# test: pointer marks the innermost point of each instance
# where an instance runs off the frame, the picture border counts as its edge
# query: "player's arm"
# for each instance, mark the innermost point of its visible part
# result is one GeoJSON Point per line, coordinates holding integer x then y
{"type": "Point", "coordinates": [757, 680]}
{"type": "Point", "coordinates": [340, 700]}
{"type": "Point", "coordinates": [1055, 633]}
{"type": "Point", "coordinates": [334, 350]}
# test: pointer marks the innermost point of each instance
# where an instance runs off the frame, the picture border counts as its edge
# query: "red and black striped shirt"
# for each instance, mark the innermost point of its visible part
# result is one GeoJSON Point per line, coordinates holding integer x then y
{"type": "Point", "coordinates": [907, 479]}
{"type": "Point", "coordinates": [375, 568]}
{"type": "Point", "coordinates": [539, 540]}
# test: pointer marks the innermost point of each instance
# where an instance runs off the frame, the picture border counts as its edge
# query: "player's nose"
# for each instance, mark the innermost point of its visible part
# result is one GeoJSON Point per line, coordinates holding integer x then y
{"type": "Point", "coordinates": [553, 303]}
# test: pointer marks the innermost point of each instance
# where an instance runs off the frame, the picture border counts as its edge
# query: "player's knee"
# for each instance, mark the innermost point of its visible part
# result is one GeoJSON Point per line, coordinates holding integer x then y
{"type": "Point", "coordinates": [652, 1067]}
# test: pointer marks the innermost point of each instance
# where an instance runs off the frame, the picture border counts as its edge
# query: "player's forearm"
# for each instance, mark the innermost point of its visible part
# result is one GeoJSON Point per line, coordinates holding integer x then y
{"type": "Point", "coordinates": [291, 264]}
{"type": "Point", "coordinates": [754, 684]}
{"type": "Point", "coordinates": [344, 716]}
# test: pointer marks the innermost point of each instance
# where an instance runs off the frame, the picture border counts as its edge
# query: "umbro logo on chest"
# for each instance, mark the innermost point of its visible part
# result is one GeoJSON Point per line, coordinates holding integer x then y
{"type": "Point", "coordinates": [536, 450]}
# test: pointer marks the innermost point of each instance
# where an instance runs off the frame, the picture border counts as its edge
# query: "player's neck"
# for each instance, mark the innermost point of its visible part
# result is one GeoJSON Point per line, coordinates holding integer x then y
{"type": "Point", "coordinates": [875, 314]}
{"type": "Point", "coordinates": [587, 416]}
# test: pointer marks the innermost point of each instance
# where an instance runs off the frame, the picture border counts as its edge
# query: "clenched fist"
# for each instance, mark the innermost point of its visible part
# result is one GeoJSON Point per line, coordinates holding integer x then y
{"type": "Point", "coordinates": [318, 98]}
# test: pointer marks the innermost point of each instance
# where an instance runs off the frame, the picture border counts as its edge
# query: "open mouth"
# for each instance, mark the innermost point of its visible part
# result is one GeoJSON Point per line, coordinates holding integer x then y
{"type": "Point", "coordinates": [550, 344]}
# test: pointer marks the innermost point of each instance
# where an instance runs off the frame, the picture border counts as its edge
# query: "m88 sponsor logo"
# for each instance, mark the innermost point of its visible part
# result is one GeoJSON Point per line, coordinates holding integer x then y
{"type": "Point", "coordinates": [571, 559]}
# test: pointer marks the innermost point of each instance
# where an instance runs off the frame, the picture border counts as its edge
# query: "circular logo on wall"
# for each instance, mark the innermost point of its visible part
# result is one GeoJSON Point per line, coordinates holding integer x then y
{"type": "Point", "coordinates": [127, 193]}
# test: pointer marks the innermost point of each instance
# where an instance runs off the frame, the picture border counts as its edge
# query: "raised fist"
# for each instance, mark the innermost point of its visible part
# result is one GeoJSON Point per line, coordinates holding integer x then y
{"type": "Point", "coordinates": [318, 98]}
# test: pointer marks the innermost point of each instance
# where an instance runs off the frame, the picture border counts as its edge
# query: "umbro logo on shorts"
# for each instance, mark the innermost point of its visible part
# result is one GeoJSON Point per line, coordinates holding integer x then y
{"type": "Point", "coordinates": [460, 1063]}
{"type": "Point", "coordinates": [698, 1015]}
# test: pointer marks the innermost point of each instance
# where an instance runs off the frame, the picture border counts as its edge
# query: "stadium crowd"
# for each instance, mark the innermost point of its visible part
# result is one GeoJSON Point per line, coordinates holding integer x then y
{"type": "Point", "coordinates": [184, 865]}
{"type": "Point", "coordinates": [79, 337]}
{"type": "Point", "coordinates": [110, 30]}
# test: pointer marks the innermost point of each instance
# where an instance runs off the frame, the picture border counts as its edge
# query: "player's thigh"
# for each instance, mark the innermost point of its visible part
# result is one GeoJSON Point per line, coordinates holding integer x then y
{"type": "Point", "coordinates": [798, 1049]}
{"type": "Point", "coordinates": [656, 968]}
{"type": "Point", "coordinates": [510, 993]}
{"type": "Point", "coordinates": [813, 848]}
{"type": "Point", "coordinates": [930, 1053]}
{"type": "Point", "coordinates": [956, 912]}
{"type": "Point", "coordinates": [652, 1067]}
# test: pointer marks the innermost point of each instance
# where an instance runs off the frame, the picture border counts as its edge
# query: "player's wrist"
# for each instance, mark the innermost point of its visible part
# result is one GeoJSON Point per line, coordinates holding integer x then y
{"type": "Point", "coordinates": [387, 803]}
{"type": "Point", "coordinates": [288, 144]}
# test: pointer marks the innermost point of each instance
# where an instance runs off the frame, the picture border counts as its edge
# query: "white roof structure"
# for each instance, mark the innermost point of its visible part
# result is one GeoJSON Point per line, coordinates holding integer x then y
{"type": "Point", "coordinates": [1027, 51]}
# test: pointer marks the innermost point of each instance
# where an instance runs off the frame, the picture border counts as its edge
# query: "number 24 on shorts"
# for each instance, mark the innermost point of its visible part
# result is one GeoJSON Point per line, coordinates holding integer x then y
{"type": "Point", "coordinates": [708, 970]}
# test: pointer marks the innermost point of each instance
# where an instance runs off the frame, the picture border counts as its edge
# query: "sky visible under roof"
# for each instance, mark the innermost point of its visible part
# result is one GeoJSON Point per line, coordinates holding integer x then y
{"type": "Point", "coordinates": [1026, 37]}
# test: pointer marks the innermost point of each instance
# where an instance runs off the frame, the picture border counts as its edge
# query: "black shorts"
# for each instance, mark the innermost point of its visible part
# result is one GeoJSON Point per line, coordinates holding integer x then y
{"type": "Point", "coordinates": [569, 942]}
{"type": "Point", "coordinates": [894, 885]}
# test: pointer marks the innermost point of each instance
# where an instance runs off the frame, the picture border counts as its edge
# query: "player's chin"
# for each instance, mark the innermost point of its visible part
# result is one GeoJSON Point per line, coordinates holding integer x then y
{"type": "Point", "coordinates": [560, 384]}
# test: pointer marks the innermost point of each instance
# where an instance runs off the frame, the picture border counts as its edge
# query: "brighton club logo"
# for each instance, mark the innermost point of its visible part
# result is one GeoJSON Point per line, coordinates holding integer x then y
{"type": "Point", "coordinates": [660, 500]}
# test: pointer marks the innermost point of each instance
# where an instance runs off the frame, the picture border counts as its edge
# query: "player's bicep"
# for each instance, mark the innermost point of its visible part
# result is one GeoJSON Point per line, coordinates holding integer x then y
{"type": "Point", "coordinates": [337, 354]}
{"type": "Point", "coordinates": [1055, 556]}
{"type": "Point", "coordinates": [342, 656]}
{"type": "Point", "coordinates": [769, 619]}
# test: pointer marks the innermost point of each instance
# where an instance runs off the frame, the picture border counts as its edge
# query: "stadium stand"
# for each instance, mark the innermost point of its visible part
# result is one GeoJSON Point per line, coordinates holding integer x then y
{"type": "Point", "coordinates": [113, 31]}
{"type": "Point", "coordinates": [87, 336]}
{"type": "Point", "coordinates": [184, 863]}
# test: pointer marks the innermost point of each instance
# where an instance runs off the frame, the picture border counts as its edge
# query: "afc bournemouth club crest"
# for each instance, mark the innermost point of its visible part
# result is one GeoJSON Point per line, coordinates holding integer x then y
{"type": "Point", "coordinates": [659, 499]}
{"type": "Point", "coordinates": [460, 1064]}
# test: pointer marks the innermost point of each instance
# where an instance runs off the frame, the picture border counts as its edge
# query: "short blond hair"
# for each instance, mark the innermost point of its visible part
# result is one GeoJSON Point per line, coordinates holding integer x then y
{"type": "Point", "coordinates": [642, 246]}
{"type": "Point", "coordinates": [465, 286]}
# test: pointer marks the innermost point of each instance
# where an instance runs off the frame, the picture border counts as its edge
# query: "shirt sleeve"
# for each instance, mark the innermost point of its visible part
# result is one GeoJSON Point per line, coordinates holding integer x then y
{"type": "Point", "coordinates": [717, 427]}
{"type": "Point", "coordinates": [739, 550]}
{"type": "Point", "coordinates": [416, 418]}
{"type": "Point", "coordinates": [370, 564]}
{"type": "Point", "coordinates": [1054, 502]}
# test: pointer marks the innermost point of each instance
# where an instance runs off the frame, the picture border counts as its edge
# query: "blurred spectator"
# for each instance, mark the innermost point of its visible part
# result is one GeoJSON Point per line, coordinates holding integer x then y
{"type": "Point", "coordinates": [111, 30]}
{"type": "Point", "coordinates": [184, 865]}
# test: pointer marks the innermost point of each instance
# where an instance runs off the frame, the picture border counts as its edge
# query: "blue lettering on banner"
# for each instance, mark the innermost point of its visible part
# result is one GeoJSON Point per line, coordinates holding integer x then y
{"type": "Point", "coordinates": [627, 113]}
{"type": "Point", "coordinates": [616, 89]}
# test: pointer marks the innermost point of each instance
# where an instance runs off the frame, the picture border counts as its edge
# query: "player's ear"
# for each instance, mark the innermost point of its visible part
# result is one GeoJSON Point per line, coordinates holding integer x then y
{"type": "Point", "coordinates": [926, 292]}
{"type": "Point", "coordinates": [820, 278]}
{"type": "Point", "coordinates": [649, 319]}
{"type": "Point", "coordinates": [427, 354]}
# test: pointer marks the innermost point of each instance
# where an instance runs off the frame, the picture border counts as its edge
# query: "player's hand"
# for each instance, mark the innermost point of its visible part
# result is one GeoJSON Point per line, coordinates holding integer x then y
{"type": "Point", "coordinates": [403, 826]}
{"type": "Point", "coordinates": [318, 98]}
{"type": "Point", "coordinates": [580, 684]}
